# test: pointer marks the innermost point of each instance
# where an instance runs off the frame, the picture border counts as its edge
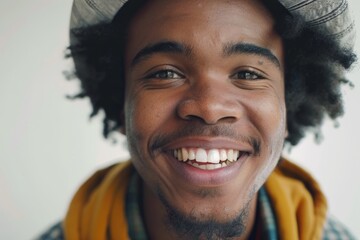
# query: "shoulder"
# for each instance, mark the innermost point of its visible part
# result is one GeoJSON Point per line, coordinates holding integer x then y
{"type": "Point", "coordinates": [56, 232]}
{"type": "Point", "coordinates": [335, 230]}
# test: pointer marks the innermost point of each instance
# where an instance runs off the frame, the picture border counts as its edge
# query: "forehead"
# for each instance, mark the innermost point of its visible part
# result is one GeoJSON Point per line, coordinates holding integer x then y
{"type": "Point", "coordinates": [209, 24]}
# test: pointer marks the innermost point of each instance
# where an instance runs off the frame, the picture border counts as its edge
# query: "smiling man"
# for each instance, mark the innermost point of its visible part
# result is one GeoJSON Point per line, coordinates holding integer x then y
{"type": "Point", "coordinates": [208, 93]}
{"type": "Point", "coordinates": [204, 112]}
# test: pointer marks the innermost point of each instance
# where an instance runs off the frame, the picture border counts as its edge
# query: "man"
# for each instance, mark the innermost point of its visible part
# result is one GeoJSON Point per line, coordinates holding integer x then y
{"type": "Point", "coordinates": [207, 93]}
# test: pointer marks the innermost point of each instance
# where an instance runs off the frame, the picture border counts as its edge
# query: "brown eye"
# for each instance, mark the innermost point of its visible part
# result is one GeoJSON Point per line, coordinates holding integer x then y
{"type": "Point", "coordinates": [248, 75]}
{"type": "Point", "coordinates": [165, 74]}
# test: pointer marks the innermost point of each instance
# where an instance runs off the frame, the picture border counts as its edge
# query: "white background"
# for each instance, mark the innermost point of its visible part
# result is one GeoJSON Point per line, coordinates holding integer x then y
{"type": "Point", "coordinates": [48, 146]}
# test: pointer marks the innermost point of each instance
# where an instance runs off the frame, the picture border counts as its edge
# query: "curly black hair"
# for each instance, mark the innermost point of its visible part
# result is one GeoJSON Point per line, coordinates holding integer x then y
{"type": "Point", "coordinates": [314, 73]}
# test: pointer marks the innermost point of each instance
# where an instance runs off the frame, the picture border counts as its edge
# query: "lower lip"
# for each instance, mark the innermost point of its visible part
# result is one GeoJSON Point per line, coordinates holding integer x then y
{"type": "Point", "coordinates": [210, 178]}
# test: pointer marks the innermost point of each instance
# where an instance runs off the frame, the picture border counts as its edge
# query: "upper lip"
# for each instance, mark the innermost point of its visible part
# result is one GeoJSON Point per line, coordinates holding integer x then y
{"type": "Point", "coordinates": [208, 143]}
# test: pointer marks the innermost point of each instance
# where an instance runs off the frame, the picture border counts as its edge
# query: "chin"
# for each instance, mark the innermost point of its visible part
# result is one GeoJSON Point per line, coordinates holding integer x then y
{"type": "Point", "coordinates": [215, 221]}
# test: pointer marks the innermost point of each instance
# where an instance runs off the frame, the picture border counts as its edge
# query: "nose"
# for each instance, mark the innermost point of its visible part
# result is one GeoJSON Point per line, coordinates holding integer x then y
{"type": "Point", "coordinates": [210, 103]}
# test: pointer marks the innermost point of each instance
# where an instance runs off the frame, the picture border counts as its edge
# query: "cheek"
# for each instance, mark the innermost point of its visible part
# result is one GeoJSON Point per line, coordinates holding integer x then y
{"type": "Point", "coordinates": [140, 117]}
{"type": "Point", "coordinates": [274, 127]}
{"type": "Point", "coordinates": [273, 118]}
{"type": "Point", "coordinates": [268, 114]}
{"type": "Point", "coordinates": [146, 118]}
{"type": "Point", "coordinates": [271, 114]}
{"type": "Point", "coordinates": [269, 119]}
{"type": "Point", "coordinates": [146, 113]}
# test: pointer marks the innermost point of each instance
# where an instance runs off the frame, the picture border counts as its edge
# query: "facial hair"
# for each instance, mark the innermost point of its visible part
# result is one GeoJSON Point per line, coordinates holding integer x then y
{"type": "Point", "coordinates": [196, 129]}
{"type": "Point", "coordinates": [187, 226]}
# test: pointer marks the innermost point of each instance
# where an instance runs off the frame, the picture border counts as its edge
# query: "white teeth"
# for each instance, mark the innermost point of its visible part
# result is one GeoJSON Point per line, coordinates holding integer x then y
{"type": "Point", "coordinates": [223, 155]}
{"type": "Point", "coordinates": [210, 166]}
{"type": "Point", "coordinates": [236, 155]}
{"type": "Point", "coordinates": [179, 155]}
{"type": "Point", "coordinates": [230, 154]}
{"type": "Point", "coordinates": [216, 166]}
{"type": "Point", "coordinates": [192, 154]}
{"type": "Point", "coordinates": [213, 166]}
{"type": "Point", "coordinates": [202, 167]}
{"type": "Point", "coordinates": [213, 156]}
{"type": "Point", "coordinates": [217, 157]}
{"type": "Point", "coordinates": [201, 155]}
{"type": "Point", "coordinates": [185, 154]}
{"type": "Point", "coordinates": [207, 166]}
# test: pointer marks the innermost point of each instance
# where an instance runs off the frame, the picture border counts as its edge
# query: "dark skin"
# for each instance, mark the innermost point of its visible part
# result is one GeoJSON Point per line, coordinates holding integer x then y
{"type": "Point", "coordinates": [203, 78]}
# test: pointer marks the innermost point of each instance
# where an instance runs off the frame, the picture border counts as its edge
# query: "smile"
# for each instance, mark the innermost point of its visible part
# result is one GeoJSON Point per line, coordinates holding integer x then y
{"type": "Point", "coordinates": [207, 159]}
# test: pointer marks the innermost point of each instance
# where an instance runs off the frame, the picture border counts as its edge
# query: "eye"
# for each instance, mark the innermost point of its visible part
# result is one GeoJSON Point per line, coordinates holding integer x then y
{"type": "Point", "coordinates": [165, 74]}
{"type": "Point", "coordinates": [248, 75]}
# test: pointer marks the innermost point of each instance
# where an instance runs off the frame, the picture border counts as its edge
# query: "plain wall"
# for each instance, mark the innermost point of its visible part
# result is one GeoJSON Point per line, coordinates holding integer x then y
{"type": "Point", "coordinates": [48, 145]}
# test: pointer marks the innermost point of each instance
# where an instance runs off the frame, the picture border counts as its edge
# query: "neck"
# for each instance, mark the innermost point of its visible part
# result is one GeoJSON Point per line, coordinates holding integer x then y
{"type": "Point", "coordinates": [157, 222]}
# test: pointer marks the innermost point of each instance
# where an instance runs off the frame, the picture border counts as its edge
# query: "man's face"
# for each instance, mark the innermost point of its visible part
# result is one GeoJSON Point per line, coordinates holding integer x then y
{"type": "Point", "coordinates": [205, 114]}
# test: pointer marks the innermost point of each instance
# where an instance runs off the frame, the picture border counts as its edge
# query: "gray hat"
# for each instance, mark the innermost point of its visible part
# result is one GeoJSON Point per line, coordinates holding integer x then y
{"type": "Point", "coordinates": [331, 15]}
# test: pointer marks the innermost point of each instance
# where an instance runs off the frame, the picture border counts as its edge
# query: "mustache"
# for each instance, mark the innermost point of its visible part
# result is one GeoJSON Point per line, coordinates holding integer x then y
{"type": "Point", "coordinates": [191, 130]}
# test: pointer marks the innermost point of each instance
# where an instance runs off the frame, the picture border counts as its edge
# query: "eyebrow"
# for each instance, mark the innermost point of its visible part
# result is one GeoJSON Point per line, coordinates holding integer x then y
{"type": "Point", "coordinates": [161, 47]}
{"type": "Point", "coordinates": [248, 48]}
{"type": "Point", "coordinates": [180, 48]}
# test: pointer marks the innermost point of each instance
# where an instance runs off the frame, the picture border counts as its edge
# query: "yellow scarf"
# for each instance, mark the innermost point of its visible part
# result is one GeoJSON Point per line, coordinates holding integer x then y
{"type": "Point", "coordinates": [97, 210]}
{"type": "Point", "coordinates": [299, 205]}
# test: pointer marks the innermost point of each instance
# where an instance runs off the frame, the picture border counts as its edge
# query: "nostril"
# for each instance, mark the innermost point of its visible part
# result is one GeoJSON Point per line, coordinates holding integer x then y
{"type": "Point", "coordinates": [209, 109]}
{"type": "Point", "coordinates": [187, 109]}
{"type": "Point", "coordinates": [193, 118]}
{"type": "Point", "coordinates": [209, 119]}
